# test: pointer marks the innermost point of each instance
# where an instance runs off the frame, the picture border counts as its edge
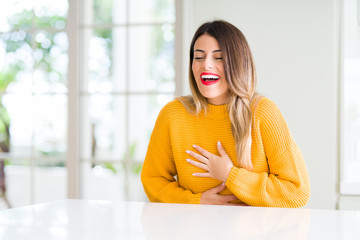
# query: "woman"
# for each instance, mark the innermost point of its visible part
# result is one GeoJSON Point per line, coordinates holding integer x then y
{"type": "Point", "coordinates": [225, 144]}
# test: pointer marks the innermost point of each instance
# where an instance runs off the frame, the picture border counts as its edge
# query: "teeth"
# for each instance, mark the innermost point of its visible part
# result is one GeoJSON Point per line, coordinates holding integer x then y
{"type": "Point", "coordinates": [209, 77]}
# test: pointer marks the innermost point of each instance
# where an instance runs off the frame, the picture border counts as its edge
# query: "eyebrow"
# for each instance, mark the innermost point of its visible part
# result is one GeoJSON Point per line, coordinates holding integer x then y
{"type": "Point", "coordinates": [199, 50]}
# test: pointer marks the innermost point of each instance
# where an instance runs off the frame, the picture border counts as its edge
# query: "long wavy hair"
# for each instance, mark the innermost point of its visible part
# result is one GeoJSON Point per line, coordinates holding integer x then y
{"type": "Point", "coordinates": [240, 73]}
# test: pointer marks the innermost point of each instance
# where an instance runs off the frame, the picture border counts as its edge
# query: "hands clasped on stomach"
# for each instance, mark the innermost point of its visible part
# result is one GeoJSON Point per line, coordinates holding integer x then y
{"type": "Point", "coordinates": [217, 167]}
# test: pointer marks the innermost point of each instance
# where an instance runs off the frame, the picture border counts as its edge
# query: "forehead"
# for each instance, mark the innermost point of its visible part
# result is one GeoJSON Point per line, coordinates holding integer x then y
{"type": "Point", "coordinates": [206, 43]}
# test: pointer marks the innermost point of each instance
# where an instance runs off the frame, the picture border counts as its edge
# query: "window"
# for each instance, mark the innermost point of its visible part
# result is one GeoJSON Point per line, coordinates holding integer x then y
{"type": "Point", "coordinates": [128, 75]}
{"type": "Point", "coordinates": [33, 99]}
{"type": "Point", "coordinates": [351, 102]}
{"type": "Point", "coordinates": [126, 66]}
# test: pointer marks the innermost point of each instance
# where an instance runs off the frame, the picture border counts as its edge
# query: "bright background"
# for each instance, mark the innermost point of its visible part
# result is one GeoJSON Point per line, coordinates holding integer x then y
{"type": "Point", "coordinates": [82, 82]}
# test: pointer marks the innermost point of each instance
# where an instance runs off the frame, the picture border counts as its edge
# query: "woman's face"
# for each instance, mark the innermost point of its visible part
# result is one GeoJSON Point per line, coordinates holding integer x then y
{"type": "Point", "coordinates": [208, 70]}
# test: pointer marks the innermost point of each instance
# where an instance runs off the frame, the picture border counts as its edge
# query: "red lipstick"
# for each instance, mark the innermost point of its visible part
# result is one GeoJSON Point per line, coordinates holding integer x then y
{"type": "Point", "coordinates": [209, 78]}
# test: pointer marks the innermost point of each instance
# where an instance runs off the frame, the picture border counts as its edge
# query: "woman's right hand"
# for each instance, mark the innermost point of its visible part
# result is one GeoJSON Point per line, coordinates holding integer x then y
{"type": "Point", "coordinates": [213, 197]}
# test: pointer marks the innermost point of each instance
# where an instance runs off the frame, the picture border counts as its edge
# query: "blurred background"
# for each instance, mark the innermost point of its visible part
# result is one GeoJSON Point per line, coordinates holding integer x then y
{"type": "Point", "coordinates": [82, 82]}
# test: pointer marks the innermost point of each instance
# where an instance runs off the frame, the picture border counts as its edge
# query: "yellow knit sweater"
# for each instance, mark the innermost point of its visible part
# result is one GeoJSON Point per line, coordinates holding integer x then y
{"type": "Point", "coordinates": [279, 178]}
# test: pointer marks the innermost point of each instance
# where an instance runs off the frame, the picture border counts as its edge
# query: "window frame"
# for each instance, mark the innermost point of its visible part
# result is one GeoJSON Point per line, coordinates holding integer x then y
{"type": "Point", "coordinates": [76, 70]}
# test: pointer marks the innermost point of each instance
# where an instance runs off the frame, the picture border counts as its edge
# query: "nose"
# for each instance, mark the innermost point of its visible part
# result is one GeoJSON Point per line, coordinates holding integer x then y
{"type": "Point", "coordinates": [208, 63]}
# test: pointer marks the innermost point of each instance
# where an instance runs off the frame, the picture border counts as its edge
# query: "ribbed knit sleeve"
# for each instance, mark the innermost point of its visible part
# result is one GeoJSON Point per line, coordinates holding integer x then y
{"type": "Point", "coordinates": [286, 183]}
{"type": "Point", "coordinates": [159, 170]}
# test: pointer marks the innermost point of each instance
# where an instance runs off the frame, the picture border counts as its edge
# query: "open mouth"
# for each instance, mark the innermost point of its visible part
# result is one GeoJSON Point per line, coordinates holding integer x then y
{"type": "Point", "coordinates": [209, 78]}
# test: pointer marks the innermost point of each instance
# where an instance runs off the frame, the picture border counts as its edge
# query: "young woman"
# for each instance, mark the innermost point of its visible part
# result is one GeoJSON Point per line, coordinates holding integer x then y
{"type": "Point", "coordinates": [224, 144]}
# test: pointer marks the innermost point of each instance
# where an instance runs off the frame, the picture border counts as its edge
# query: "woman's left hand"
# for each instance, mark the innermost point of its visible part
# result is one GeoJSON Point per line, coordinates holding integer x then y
{"type": "Point", "coordinates": [216, 167]}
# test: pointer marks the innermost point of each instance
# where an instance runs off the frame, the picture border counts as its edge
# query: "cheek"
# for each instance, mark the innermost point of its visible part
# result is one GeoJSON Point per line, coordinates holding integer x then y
{"type": "Point", "coordinates": [221, 69]}
{"type": "Point", "coordinates": [195, 70]}
{"type": "Point", "coordinates": [193, 67]}
{"type": "Point", "coordinates": [225, 88]}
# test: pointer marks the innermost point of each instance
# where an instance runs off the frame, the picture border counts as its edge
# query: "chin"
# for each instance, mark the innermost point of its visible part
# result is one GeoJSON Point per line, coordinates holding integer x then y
{"type": "Point", "coordinates": [209, 95]}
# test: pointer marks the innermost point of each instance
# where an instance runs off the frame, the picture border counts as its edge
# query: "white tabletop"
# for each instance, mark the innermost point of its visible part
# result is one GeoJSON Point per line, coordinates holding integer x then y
{"type": "Point", "coordinates": [83, 219]}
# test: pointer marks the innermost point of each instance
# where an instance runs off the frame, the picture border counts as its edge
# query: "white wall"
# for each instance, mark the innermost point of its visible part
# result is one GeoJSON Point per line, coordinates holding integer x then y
{"type": "Point", "coordinates": [295, 45]}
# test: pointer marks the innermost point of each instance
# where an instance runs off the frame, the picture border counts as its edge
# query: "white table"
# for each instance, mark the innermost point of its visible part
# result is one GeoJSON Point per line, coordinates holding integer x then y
{"type": "Point", "coordinates": [84, 219]}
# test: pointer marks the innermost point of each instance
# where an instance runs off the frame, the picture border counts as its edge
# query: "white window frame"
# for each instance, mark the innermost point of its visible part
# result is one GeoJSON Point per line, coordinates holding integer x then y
{"type": "Point", "coordinates": [73, 146]}
{"type": "Point", "coordinates": [75, 69]}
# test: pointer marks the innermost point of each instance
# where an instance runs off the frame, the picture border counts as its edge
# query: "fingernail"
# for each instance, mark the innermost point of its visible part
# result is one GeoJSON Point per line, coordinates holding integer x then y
{"type": "Point", "coordinates": [194, 174]}
{"type": "Point", "coordinates": [188, 160]}
{"type": "Point", "coordinates": [187, 151]}
{"type": "Point", "coordinates": [219, 144]}
{"type": "Point", "coordinates": [194, 145]}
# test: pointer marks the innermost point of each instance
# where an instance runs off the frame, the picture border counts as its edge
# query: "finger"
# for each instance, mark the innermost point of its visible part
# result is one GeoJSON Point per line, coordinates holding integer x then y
{"type": "Point", "coordinates": [197, 156]}
{"type": "Point", "coordinates": [237, 204]}
{"type": "Point", "coordinates": [203, 151]}
{"type": "Point", "coordinates": [221, 149]}
{"type": "Point", "coordinates": [202, 175]}
{"type": "Point", "coordinates": [229, 198]}
{"type": "Point", "coordinates": [198, 164]}
{"type": "Point", "coordinates": [218, 188]}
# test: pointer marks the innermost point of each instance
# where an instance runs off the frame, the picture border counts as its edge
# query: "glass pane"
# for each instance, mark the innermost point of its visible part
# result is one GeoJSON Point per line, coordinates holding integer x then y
{"type": "Point", "coordinates": [152, 11]}
{"type": "Point", "coordinates": [20, 14]}
{"type": "Point", "coordinates": [103, 182]}
{"type": "Point", "coordinates": [143, 114]}
{"type": "Point", "coordinates": [50, 128]}
{"type": "Point", "coordinates": [119, 60]}
{"type": "Point", "coordinates": [16, 62]}
{"type": "Point", "coordinates": [50, 13]}
{"type": "Point", "coordinates": [151, 53]}
{"type": "Point", "coordinates": [103, 127]}
{"type": "Point", "coordinates": [49, 184]}
{"type": "Point", "coordinates": [102, 11]}
{"type": "Point", "coordinates": [18, 110]}
{"type": "Point", "coordinates": [351, 92]}
{"type": "Point", "coordinates": [136, 191]}
{"type": "Point", "coordinates": [51, 62]}
{"type": "Point", "coordinates": [106, 61]}
{"type": "Point", "coordinates": [139, 11]}
{"type": "Point", "coordinates": [108, 11]}
{"type": "Point", "coordinates": [15, 15]}
{"type": "Point", "coordinates": [18, 184]}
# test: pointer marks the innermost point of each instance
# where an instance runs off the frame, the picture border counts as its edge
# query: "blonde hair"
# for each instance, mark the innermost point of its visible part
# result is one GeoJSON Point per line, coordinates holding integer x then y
{"type": "Point", "coordinates": [240, 74]}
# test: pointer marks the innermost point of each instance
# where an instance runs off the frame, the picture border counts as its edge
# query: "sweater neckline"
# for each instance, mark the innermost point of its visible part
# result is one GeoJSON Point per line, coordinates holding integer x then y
{"type": "Point", "coordinates": [217, 111]}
